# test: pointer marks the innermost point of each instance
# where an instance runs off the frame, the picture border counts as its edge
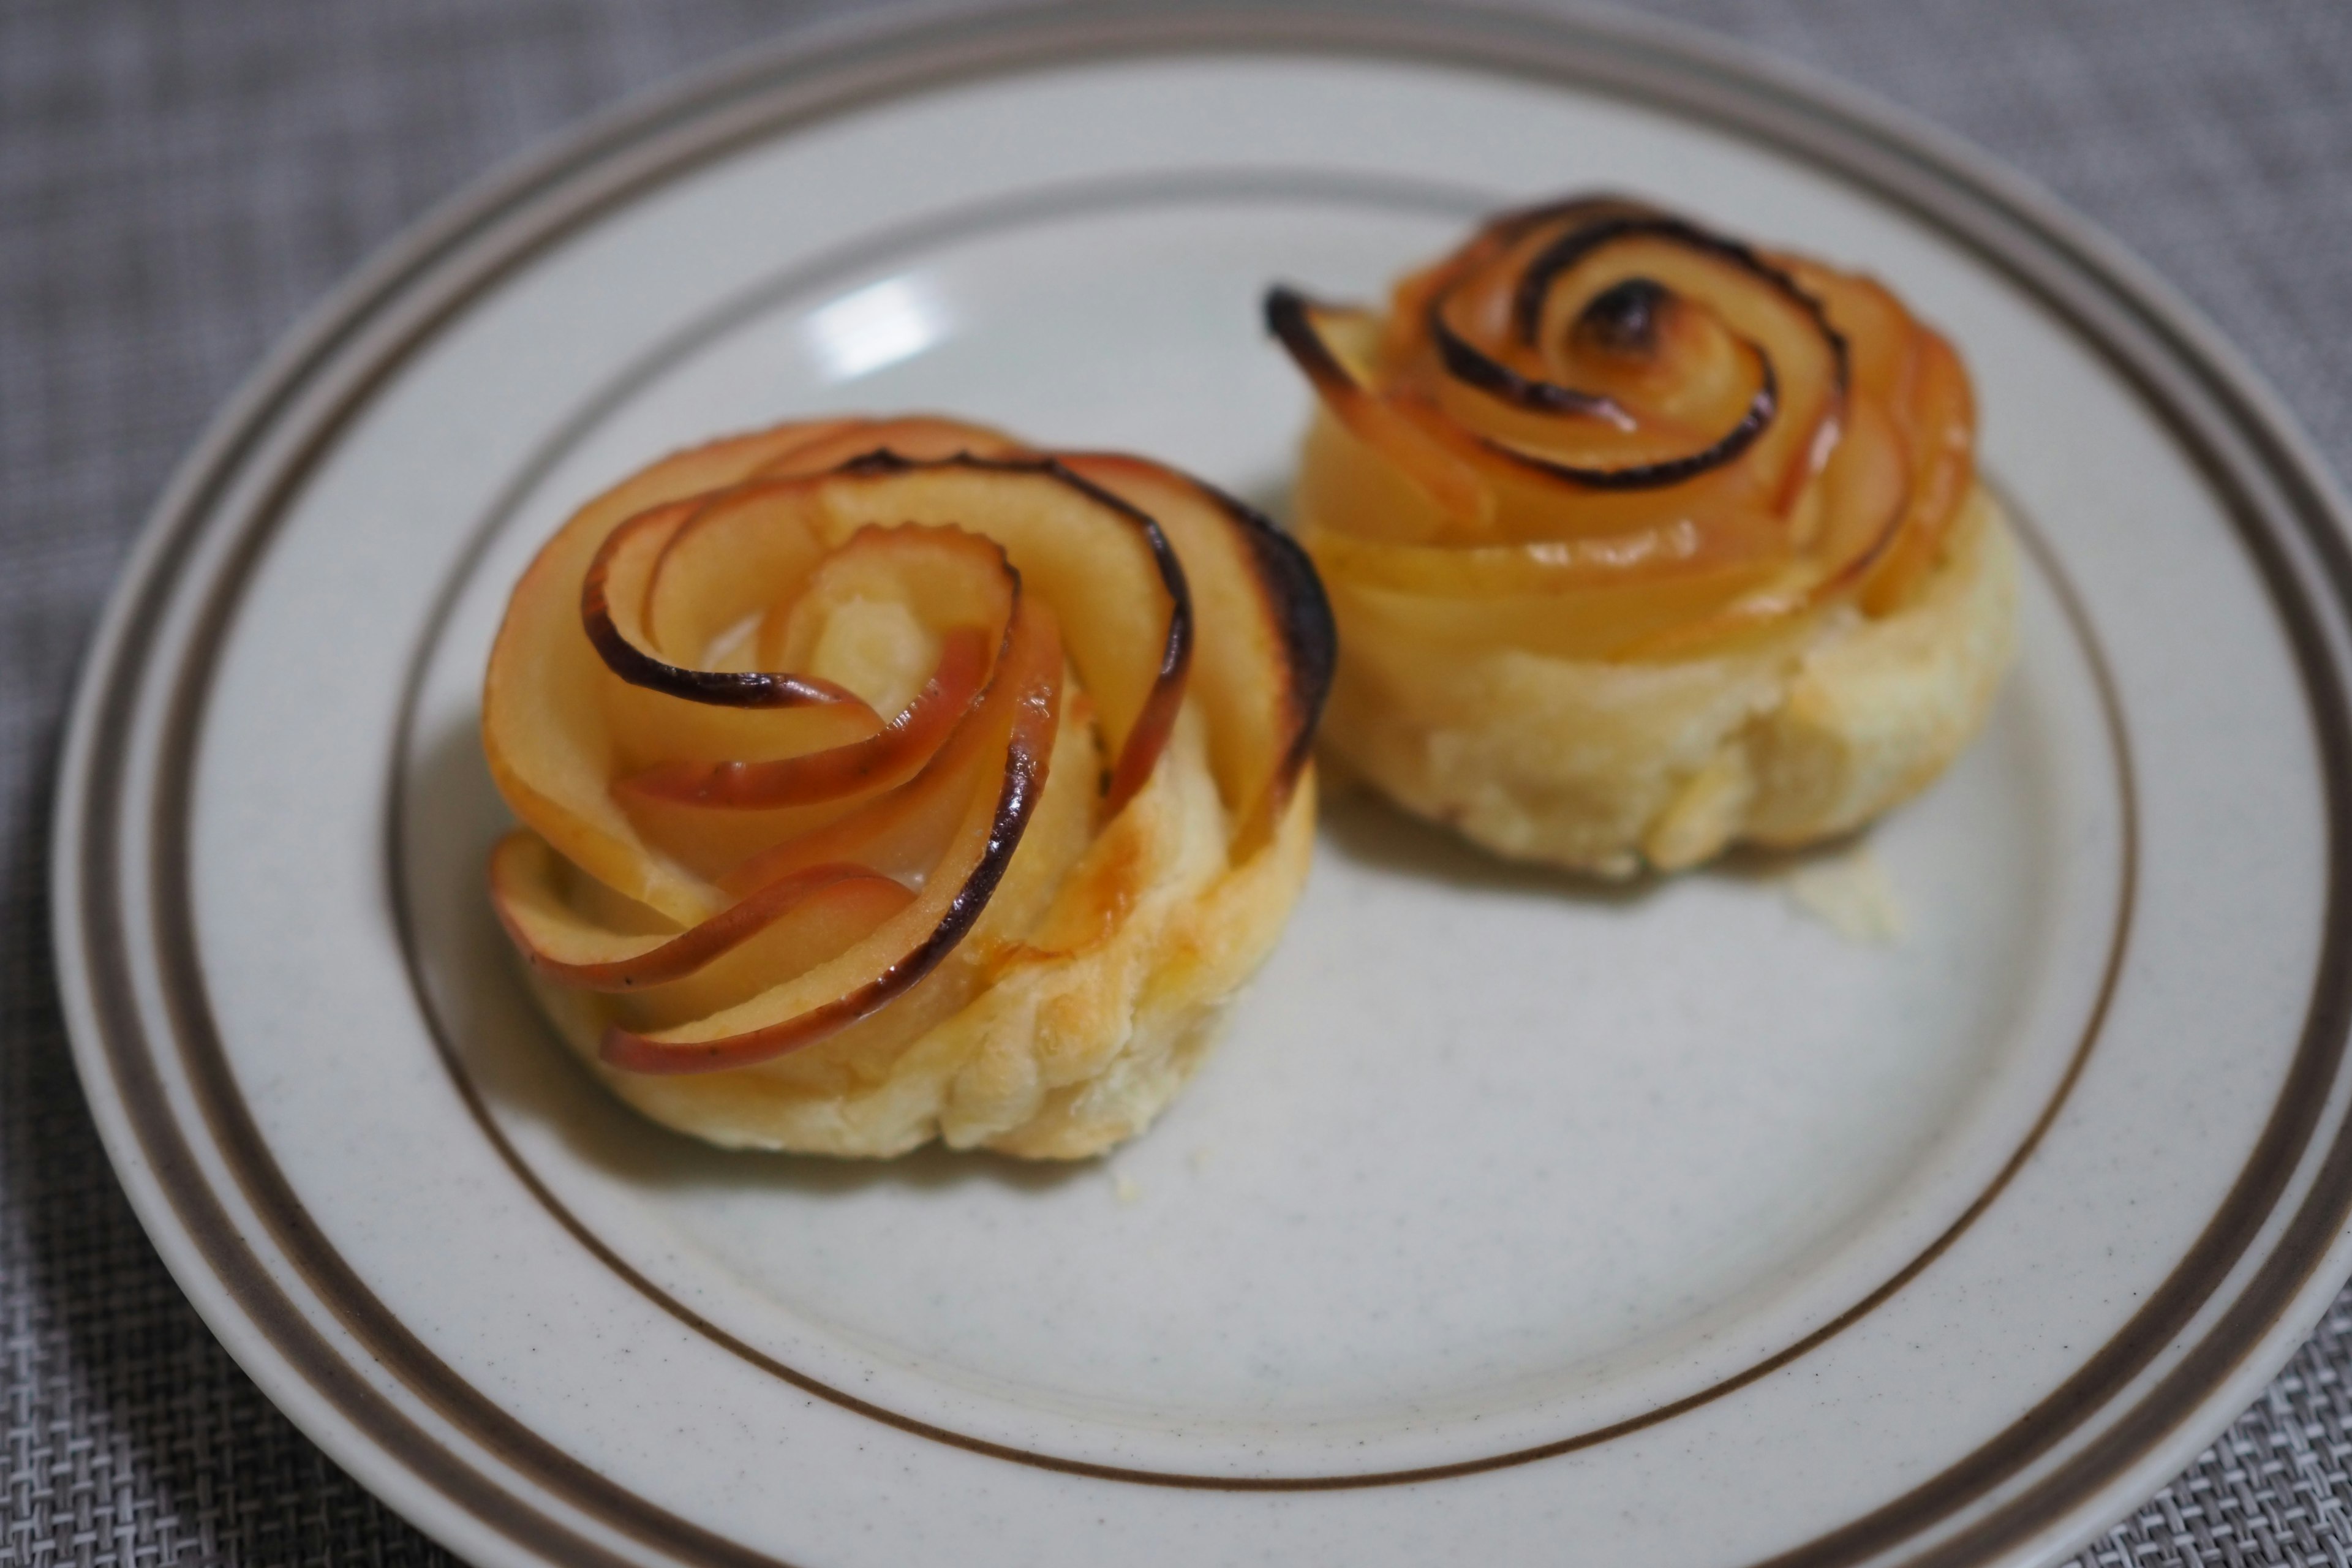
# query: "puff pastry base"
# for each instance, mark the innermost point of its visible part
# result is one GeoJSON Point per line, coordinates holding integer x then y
{"type": "Point", "coordinates": [1801, 733]}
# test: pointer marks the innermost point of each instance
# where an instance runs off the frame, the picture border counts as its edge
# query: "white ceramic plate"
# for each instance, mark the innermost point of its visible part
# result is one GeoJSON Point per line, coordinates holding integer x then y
{"type": "Point", "coordinates": [1514, 1219]}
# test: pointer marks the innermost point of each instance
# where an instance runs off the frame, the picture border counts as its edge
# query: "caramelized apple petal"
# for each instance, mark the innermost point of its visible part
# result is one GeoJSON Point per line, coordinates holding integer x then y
{"type": "Point", "coordinates": [570, 947]}
{"type": "Point", "coordinates": [1673, 437]}
{"type": "Point", "coordinates": [887, 757]}
{"type": "Point", "coordinates": [1116, 582]}
{"type": "Point", "coordinates": [810, 1007]}
{"type": "Point", "coordinates": [1266, 650]}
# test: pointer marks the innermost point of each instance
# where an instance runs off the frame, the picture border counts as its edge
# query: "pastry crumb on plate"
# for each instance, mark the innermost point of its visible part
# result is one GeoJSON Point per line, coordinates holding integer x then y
{"type": "Point", "coordinates": [1852, 893]}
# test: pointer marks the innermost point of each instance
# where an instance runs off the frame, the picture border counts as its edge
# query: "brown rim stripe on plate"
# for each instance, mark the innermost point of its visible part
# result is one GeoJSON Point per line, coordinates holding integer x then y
{"type": "Point", "coordinates": [145, 1100]}
{"type": "Point", "coordinates": [994, 217]}
{"type": "Point", "coordinates": [2220, 420]}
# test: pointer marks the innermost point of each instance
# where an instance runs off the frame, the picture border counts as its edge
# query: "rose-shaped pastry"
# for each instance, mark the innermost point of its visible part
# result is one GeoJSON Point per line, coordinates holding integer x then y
{"type": "Point", "coordinates": [886, 780]}
{"type": "Point", "coordinates": [1642, 541]}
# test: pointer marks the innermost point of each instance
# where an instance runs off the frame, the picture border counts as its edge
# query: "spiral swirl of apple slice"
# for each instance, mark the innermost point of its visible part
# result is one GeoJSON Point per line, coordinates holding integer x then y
{"type": "Point", "coordinates": [745, 855]}
{"type": "Point", "coordinates": [1601, 430]}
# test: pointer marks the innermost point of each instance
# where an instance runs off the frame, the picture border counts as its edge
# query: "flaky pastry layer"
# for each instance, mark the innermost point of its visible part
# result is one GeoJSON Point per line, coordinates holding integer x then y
{"type": "Point", "coordinates": [1802, 733]}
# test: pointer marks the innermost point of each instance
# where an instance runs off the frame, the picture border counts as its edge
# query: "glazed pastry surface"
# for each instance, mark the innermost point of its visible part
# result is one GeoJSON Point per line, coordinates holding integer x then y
{"type": "Point", "coordinates": [1643, 542]}
{"type": "Point", "coordinates": [882, 780]}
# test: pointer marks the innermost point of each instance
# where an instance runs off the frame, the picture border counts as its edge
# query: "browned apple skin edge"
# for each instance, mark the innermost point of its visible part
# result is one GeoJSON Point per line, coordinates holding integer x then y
{"type": "Point", "coordinates": [1024, 781]}
{"type": "Point", "coordinates": [1296, 603]}
{"type": "Point", "coordinates": [719, 688]}
{"type": "Point", "coordinates": [1302, 611]}
{"type": "Point", "coordinates": [690, 950]}
{"type": "Point", "coordinates": [1153, 725]}
{"type": "Point", "coordinates": [897, 750]}
{"type": "Point", "coordinates": [1290, 317]}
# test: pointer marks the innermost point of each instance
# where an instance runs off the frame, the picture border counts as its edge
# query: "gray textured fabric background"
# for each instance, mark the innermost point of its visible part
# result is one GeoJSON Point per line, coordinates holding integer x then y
{"type": "Point", "coordinates": [178, 181]}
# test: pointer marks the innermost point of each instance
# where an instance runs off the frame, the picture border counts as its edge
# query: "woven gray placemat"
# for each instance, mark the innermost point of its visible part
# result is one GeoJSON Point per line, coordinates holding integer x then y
{"type": "Point", "coordinates": [178, 181]}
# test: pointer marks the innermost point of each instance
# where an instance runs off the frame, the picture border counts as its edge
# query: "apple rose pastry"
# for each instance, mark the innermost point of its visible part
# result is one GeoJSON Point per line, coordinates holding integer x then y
{"type": "Point", "coordinates": [1642, 541]}
{"type": "Point", "coordinates": [884, 781]}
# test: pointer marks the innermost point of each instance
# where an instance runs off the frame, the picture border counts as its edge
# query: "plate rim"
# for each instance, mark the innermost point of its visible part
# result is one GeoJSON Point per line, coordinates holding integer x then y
{"type": "Point", "coordinates": [501, 222]}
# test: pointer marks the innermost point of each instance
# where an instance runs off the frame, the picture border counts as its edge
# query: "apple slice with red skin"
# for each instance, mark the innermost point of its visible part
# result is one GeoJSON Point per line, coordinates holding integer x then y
{"type": "Point", "coordinates": [1312, 333]}
{"type": "Point", "coordinates": [570, 950]}
{"type": "Point", "coordinates": [681, 724]}
{"type": "Point", "coordinates": [548, 730]}
{"type": "Point", "coordinates": [889, 756]}
{"type": "Point", "coordinates": [909, 946]}
{"type": "Point", "coordinates": [946, 577]}
{"type": "Point", "coordinates": [1939, 424]}
{"type": "Point", "coordinates": [1262, 664]}
{"type": "Point", "coordinates": [1019, 716]}
{"type": "Point", "coordinates": [1051, 523]}
{"type": "Point", "coordinates": [1557, 336]}
{"type": "Point", "coordinates": [618, 585]}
